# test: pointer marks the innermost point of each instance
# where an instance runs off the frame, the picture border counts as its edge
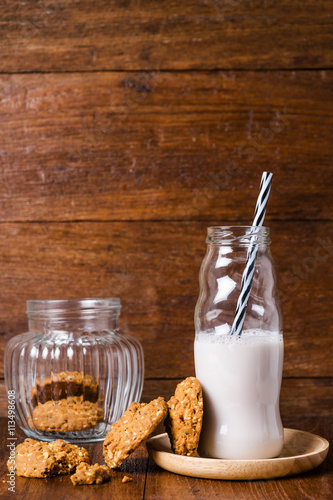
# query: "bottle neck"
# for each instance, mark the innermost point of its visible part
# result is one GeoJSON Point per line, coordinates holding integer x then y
{"type": "Point", "coordinates": [239, 236]}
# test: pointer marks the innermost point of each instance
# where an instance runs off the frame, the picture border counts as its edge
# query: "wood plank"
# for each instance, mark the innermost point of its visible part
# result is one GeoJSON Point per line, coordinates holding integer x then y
{"type": "Point", "coordinates": [161, 484]}
{"type": "Point", "coordinates": [57, 35]}
{"type": "Point", "coordinates": [180, 146]}
{"type": "Point", "coordinates": [154, 268]}
{"type": "Point", "coordinates": [312, 485]}
{"type": "Point", "coordinates": [61, 486]}
{"type": "Point", "coordinates": [299, 396]}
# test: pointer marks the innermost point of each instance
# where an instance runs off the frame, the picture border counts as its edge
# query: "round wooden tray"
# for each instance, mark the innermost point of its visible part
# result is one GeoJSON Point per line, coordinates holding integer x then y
{"type": "Point", "coordinates": [302, 451]}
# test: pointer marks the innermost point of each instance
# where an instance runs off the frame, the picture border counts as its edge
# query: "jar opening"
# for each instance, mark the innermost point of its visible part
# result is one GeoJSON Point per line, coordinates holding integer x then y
{"type": "Point", "coordinates": [238, 235]}
{"type": "Point", "coordinates": [74, 305]}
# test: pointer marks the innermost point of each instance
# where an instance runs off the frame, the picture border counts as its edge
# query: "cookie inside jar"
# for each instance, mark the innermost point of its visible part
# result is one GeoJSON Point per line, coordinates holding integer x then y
{"type": "Point", "coordinates": [66, 402]}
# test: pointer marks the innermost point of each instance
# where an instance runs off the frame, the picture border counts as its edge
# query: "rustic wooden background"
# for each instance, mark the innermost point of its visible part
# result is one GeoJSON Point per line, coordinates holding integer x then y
{"type": "Point", "coordinates": [128, 127]}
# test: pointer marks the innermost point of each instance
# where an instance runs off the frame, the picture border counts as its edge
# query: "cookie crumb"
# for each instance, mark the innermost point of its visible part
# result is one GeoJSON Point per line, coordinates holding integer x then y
{"type": "Point", "coordinates": [126, 479]}
{"type": "Point", "coordinates": [91, 474]}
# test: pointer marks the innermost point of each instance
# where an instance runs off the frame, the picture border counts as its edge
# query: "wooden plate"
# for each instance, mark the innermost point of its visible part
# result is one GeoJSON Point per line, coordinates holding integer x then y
{"type": "Point", "coordinates": [302, 451]}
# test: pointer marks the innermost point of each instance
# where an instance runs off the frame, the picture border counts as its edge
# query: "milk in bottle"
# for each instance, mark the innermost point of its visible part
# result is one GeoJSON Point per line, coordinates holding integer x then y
{"type": "Point", "coordinates": [241, 379]}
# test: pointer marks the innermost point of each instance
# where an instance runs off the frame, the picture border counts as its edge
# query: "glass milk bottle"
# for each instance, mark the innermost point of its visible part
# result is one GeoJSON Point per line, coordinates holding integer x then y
{"type": "Point", "coordinates": [240, 374]}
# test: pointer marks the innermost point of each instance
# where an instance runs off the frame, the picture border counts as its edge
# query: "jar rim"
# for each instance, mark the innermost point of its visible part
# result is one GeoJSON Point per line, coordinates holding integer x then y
{"type": "Point", "coordinates": [67, 305]}
{"type": "Point", "coordinates": [238, 235]}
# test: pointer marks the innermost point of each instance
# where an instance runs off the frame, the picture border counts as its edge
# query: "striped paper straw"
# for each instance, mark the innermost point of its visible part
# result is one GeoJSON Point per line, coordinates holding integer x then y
{"type": "Point", "coordinates": [259, 215]}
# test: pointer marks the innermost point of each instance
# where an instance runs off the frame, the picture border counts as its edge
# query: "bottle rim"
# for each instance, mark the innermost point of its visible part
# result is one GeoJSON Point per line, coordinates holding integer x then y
{"type": "Point", "coordinates": [86, 305]}
{"type": "Point", "coordinates": [238, 235]}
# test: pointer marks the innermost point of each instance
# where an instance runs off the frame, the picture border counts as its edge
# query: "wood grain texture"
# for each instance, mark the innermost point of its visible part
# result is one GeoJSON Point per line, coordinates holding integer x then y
{"type": "Point", "coordinates": [61, 486]}
{"type": "Point", "coordinates": [154, 268]}
{"type": "Point", "coordinates": [154, 483]}
{"type": "Point", "coordinates": [313, 485]}
{"type": "Point", "coordinates": [121, 141]}
{"type": "Point", "coordinates": [161, 146]}
{"type": "Point", "coordinates": [302, 452]}
{"type": "Point", "coordinates": [57, 35]}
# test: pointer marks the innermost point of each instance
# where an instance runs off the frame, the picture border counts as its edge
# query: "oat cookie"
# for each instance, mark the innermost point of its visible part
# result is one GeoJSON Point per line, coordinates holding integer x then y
{"type": "Point", "coordinates": [91, 474]}
{"type": "Point", "coordinates": [137, 423]}
{"type": "Point", "coordinates": [67, 415]}
{"type": "Point", "coordinates": [39, 459]}
{"type": "Point", "coordinates": [184, 421]}
{"type": "Point", "coordinates": [60, 385]}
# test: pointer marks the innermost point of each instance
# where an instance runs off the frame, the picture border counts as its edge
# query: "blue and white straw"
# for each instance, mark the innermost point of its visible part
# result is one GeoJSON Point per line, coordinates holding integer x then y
{"type": "Point", "coordinates": [259, 215]}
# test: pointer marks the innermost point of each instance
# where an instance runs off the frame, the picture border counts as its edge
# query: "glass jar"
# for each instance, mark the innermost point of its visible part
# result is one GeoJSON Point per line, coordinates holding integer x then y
{"type": "Point", "coordinates": [74, 373]}
{"type": "Point", "coordinates": [240, 374]}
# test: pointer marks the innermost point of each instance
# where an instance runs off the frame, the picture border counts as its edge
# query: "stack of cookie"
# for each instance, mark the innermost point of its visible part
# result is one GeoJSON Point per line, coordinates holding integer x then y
{"type": "Point", "coordinates": [66, 402]}
{"type": "Point", "coordinates": [183, 422]}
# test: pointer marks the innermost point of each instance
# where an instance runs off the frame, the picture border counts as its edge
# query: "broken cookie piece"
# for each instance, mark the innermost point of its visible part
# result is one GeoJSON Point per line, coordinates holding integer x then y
{"type": "Point", "coordinates": [137, 423]}
{"type": "Point", "coordinates": [91, 474]}
{"type": "Point", "coordinates": [184, 421]}
{"type": "Point", "coordinates": [39, 459]}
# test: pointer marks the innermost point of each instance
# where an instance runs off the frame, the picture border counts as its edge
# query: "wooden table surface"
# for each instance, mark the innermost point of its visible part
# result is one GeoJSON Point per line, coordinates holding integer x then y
{"type": "Point", "coordinates": [151, 482]}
